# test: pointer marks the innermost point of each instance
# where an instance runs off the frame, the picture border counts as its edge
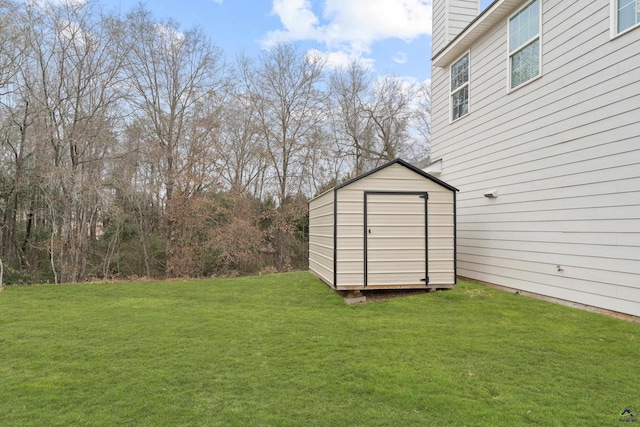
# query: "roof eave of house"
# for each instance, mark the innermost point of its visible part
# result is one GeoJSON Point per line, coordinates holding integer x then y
{"type": "Point", "coordinates": [493, 14]}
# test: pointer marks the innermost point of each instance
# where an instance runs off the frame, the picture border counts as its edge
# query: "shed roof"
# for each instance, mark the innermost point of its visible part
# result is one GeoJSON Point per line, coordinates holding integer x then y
{"type": "Point", "coordinates": [401, 163]}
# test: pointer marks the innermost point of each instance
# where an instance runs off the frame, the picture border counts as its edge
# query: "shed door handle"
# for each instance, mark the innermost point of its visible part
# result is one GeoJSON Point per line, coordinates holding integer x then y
{"type": "Point", "coordinates": [369, 231]}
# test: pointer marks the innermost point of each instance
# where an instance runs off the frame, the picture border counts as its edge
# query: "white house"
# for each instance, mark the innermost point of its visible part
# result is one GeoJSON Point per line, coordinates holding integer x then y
{"type": "Point", "coordinates": [536, 120]}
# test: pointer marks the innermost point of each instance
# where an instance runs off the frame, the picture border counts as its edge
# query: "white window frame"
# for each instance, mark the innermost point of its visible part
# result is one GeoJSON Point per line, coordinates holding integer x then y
{"type": "Point", "coordinates": [614, 20]}
{"type": "Point", "coordinates": [510, 54]}
{"type": "Point", "coordinates": [461, 87]}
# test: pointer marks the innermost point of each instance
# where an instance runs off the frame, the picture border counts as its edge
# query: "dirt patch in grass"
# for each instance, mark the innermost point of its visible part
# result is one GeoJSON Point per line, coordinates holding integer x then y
{"type": "Point", "coordinates": [380, 294]}
{"type": "Point", "coordinates": [385, 294]}
{"type": "Point", "coordinates": [472, 293]}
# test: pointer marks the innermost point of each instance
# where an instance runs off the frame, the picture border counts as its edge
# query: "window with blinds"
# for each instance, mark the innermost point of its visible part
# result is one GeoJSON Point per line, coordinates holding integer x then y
{"type": "Point", "coordinates": [460, 87]}
{"type": "Point", "coordinates": [524, 44]}
{"type": "Point", "coordinates": [628, 14]}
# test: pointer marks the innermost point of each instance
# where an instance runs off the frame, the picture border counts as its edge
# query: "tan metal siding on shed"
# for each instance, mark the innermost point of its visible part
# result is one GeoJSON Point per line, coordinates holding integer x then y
{"type": "Point", "coordinates": [395, 234]}
{"type": "Point", "coordinates": [350, 223]}
{"type": "Point", "coordinates": [321, 236]}
{"type": "Point", "coordinates": [564, 154]}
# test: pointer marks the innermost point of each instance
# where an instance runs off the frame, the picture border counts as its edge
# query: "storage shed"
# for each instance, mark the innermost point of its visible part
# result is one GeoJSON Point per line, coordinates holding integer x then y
{"type": "Point", "coordinates": [391, 228]}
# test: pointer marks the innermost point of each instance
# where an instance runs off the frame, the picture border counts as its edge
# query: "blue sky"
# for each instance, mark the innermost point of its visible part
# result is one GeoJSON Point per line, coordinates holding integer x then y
{"type": "Point", "coordinates": [391, 36]}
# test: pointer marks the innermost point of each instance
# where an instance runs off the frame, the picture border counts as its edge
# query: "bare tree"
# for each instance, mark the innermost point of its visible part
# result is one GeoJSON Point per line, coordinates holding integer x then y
{"type": "Point", "coordinates": [390, 113]}
{"type": "Point", "coordinates": [326, 161]}
{"type": "Point", "coordinates": [18, 153]}
{"type": "Point", "coordinates": [13, 154]}
{"type": "Point", "coordinates": [63, 98]}
{"type": "Point", "coordinates": [125, 150]}
{"type": "Point", "coordinates": [351, 124]}
{"type": "Point", "coordinates": [283, 88]}
{"type": "Point", "coordinates": [11, 43]}
{"type": "Point", "coordinates": [375, 121]}
{"type": "Point", "coordinates": [241, 152]}
{"type": "Point", "coordinates": [174, 77]}
{"type": "Point", "coordinates": [422, 119]}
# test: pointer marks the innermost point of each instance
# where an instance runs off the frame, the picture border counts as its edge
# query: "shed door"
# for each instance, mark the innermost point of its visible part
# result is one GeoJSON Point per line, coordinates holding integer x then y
{"type": "Point", "coordinates": [395, 238]}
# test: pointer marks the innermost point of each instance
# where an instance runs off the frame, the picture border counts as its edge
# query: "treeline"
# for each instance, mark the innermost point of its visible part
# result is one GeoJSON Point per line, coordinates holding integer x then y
{"type": "Point", "coordinates": [129, 147]}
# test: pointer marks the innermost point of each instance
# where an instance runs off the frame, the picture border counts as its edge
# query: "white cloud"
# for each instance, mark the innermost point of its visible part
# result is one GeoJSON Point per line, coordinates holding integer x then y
{"type": "Point", "coordinates": [45, 3]}
{"type": "Point", "coordinates": [170, 39]}
{"type": "Point", "coordinates": [72, 31]}
{"type": "Point", "coordinates": [335, 60]}
{"type": "Point", "coordinates": [361, 22]}
{"type": "Point", "coordinates": [169, 33]}
{"type": "Point", "coordinates": [217, 1]}
{"type": "Point", "coordinates": [351, 25]}
{"type": "Point", "coordinates": [298, 20]}
{"type": "Point", "coordinates": [400, 58]}
{"type": "Point", "coordinates": [348, 28]}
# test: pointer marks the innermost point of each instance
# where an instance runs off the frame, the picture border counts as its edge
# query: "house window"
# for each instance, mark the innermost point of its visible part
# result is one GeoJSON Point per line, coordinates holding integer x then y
{"type": "Point", "coordinates": [460, 87]}
{"type": "Point", "coordinates": [628, 14]}
{"type": "Point", "coordinates": [524, 44]}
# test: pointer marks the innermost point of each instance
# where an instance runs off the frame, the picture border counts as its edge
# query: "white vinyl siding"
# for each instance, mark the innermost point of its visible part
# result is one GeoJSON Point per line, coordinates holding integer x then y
{"type": "Point", "coordinates": [524, 44]}
{"type": "Point", "coordinates": [440, 38]}
{"type": "Point", "coordinates": [627, 14]}
{"type": "Point", "coordinates": [461, 13]}
{"type": "Point", "coordinates": [460, 87]}
{"type": "Point", "coordinates": [564, 156]}
{"type": "Point", "coordinates": [450, 18]}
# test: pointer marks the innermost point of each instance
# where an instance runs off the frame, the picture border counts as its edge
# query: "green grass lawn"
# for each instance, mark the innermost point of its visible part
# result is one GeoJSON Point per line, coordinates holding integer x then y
{"type": "Point", "coordinates": [285, 350]}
